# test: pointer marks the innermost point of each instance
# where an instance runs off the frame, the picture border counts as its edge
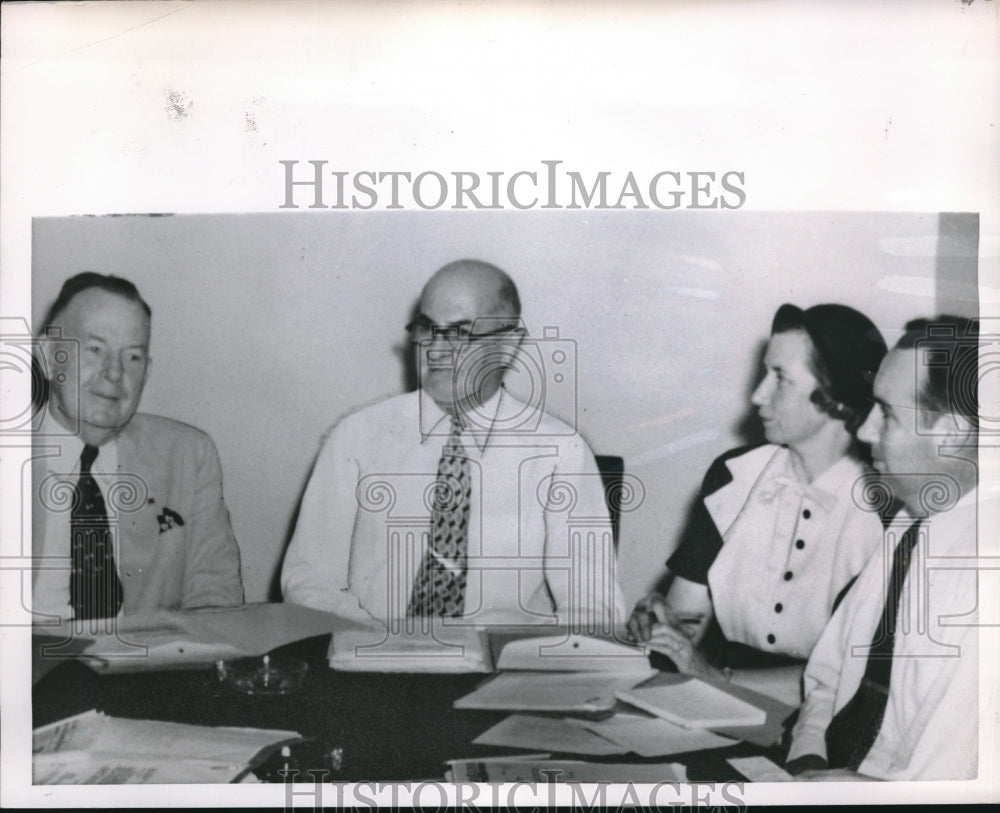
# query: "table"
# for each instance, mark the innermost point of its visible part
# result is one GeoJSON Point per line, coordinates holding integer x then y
{"type": "Point", "coordinates": [392, 727]}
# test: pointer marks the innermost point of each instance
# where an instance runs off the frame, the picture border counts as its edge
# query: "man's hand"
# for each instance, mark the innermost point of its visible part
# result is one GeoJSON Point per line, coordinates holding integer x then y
{"type": "Point", "coordinates": [648, 612]}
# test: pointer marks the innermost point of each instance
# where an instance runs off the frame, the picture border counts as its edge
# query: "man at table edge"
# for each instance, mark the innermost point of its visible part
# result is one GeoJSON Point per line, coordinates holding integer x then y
{"type": "Point", "coordinates": [128, 511]}
{"type": "Point", "coordinates": [516, 563]}
{"type": "Point", "coordinates": [890, 694]}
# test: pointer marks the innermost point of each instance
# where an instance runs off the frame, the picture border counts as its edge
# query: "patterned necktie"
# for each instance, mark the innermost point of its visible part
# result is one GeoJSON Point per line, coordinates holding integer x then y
{"type": "Point", "coordinates": [439, 587]}
{"type": "Point", "coordinates": [853, 730]}
{"type": "Point", "coordinates": [95, 591]}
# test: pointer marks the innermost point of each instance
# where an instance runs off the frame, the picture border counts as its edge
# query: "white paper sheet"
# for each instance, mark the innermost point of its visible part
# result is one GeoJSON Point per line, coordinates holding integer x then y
{"type": "Point", "coordinates": [550, 691]}
{"type": "Point", "coordinates": [553, 733]}
{"type": "Point", "coordinates": [694, 704]}
{"type": "Point", "coordinates": [760, 769]}
{"type": "Point", "coordinates": [259, 628]}
{"type": "Point", "coordinates": [654, 737]}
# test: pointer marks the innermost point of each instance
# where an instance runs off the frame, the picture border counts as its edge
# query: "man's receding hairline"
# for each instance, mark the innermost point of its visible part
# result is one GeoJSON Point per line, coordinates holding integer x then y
{"type": "Point", "coordinates": [147, 319]}
{"type": "Point", "coordinates": [501, 300]}
{"type": "Point", "coordinates": [139, 303]}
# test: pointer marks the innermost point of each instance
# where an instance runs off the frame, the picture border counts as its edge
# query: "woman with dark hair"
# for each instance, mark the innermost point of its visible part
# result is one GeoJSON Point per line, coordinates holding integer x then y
{"type": "Point", "coordinates": [776, 533]}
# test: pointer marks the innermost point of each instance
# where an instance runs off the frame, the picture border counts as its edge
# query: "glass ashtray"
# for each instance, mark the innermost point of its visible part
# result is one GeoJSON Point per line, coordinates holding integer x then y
{"type": "Point", "coordinates": [265, 676]}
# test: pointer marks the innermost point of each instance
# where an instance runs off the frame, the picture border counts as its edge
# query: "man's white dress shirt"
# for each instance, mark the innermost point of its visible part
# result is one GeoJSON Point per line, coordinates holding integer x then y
{"type": "Point", "coordinates": [62, 460]}
{"type": "Point", "coordinates": [931, 724]}
{"type": "Point", "coordinates": [539, 540]}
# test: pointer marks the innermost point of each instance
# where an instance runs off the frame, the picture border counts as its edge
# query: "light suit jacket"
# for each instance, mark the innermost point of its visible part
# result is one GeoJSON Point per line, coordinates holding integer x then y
{"type": "Point", "coordinates": [175, 547]}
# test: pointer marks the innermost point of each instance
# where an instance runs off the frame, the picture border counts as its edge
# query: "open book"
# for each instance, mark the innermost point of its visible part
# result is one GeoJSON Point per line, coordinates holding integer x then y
{"type": "Point", "coordinates": [568, 653]}
{"type": "Point", "coordinates": [433, 645]}
{"type": "Point", "coordinates": [195, 638]}
{"type": "Point", "coordinates": [452, 645]}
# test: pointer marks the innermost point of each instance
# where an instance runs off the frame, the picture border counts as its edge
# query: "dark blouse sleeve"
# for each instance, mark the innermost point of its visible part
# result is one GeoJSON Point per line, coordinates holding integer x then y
{"type": "Point", "coordinates": [701, 541]}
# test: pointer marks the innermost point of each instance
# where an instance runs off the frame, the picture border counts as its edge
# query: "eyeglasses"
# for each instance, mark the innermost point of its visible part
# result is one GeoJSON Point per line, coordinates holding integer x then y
{"type": "Point", "coordinates": [423, 329]}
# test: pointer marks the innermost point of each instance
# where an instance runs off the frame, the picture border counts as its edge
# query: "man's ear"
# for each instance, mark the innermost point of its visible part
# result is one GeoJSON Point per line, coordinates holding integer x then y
{"type": "Point", "coordinates": [46, 358]}
{"type": "Point", "coordinates": [515, 344]}
{"type": "Point", "coordinates": [511, 344]}
{"type": "Point", "coordinates": [958, 429]}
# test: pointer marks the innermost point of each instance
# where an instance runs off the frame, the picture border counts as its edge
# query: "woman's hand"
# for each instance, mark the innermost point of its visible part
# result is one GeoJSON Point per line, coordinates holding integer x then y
{"type": "Point", "coordinates": [648, 613]}
{"type": "Point", "coordinates": [676, 644]}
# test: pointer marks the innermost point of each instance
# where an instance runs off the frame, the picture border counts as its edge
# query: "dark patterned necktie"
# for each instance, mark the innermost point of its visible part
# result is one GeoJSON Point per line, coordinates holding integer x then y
{"type": "Point", "coordinates": [853, 730]}
{"type": "Point", "coordinates": [439, 587]}
{"type": "Point", "coordinates": [95, 591]}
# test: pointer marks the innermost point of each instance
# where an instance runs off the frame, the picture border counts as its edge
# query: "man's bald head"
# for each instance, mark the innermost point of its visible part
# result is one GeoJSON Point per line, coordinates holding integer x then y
{"type": "Point", "coordinates": [474, 297]}
{"type": "Point", "coordinates": [473, 287]}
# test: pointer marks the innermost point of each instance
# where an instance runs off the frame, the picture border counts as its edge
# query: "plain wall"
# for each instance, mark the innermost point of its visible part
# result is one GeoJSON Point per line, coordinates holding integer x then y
{"type": "Point", "coordinates": [268, 327]}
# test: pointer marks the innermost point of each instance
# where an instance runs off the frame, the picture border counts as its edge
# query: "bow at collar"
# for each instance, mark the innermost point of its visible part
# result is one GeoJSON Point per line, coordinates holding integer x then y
{"type": "Point", "coordinates": [777, 486]}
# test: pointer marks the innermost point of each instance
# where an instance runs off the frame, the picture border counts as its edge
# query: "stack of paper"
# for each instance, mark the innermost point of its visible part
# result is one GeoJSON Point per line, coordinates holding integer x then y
{"type": "Point", "coordinates": [563, 673]}
{"type": "Point", "coordinates": [93, 749]}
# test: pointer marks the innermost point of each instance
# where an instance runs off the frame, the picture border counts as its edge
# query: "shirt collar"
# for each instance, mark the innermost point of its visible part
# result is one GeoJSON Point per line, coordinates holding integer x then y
{"type": "Point", "coordinates": [838, 479]}
{"type": "Point", "coordinates": [825, 491]}
{"type": "Point", "coordinates": [51, 432]}
{"type": "Point", "coordinates": [436, 422]}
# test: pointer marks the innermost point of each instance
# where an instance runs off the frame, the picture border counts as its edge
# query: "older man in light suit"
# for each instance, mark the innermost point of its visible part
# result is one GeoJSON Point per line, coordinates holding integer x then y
{"type": "Point", "coordinates": [127, 509]}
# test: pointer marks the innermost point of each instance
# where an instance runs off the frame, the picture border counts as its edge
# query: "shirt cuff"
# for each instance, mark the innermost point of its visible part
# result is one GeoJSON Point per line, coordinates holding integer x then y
{"type": "Point", "coordinates": [806, 762]}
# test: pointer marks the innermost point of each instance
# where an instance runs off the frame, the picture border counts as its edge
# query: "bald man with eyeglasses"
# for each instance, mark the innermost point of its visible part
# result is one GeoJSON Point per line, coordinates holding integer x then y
{"type": "Point", "coordinates": [457, 500]}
